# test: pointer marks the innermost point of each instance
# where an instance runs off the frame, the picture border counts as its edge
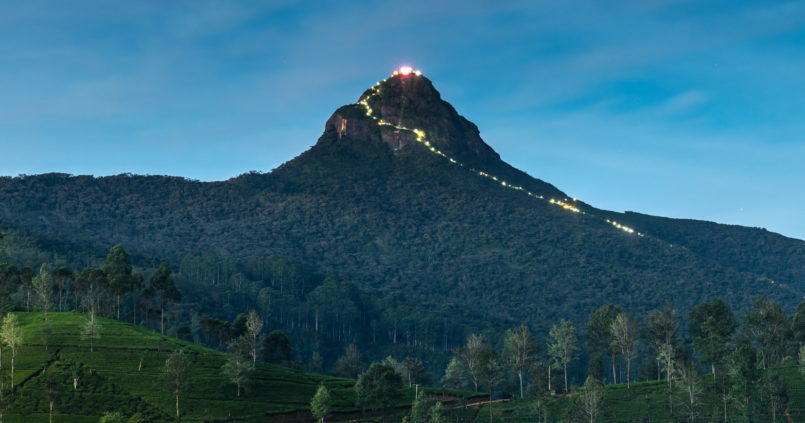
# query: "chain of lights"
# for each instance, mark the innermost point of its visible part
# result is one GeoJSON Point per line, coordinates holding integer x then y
{"type": "Point", "coordinates": [421, 138]}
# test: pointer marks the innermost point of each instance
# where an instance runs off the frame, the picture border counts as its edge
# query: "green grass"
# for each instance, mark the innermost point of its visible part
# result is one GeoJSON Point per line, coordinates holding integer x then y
{"type": "Point", "coordinates": [112, 381]}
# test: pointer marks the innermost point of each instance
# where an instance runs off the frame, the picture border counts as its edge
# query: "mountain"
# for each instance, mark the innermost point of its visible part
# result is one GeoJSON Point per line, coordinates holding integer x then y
{"type": "Point", "coordinates": [401, 196]}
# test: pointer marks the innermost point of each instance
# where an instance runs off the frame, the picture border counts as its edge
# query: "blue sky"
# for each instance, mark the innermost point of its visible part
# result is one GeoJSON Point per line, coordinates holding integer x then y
{"type": "Point", "coordinates": [676, 108]}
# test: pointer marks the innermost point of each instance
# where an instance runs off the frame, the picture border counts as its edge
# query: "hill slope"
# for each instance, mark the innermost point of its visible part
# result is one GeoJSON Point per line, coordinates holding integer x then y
{"type": "Point", "coordinates": [123, 374]}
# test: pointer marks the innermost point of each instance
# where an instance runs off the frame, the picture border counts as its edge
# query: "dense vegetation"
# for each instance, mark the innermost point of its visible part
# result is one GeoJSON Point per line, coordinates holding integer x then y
{"type": "Point", "coordinates": [125, 371]}
{"type": "Point", "coordinates": [369, 241]}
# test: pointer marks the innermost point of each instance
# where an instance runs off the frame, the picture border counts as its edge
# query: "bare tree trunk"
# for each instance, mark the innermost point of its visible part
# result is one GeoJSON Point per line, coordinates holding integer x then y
{"type": "Point", "coordinates": [565, 377]}
{"type": "Point", "coordinates": [520, 375]}
{"type": "Point", "coordinates": [177, 405]}
{"type": "Point", "coordinates": [12, 371]}
{"type": "Point", "coordinates": [628, 371]}
{"type": "Point", "coordinates": [118, 307]}
{"type": "Point", "coordinates": [612, 362]}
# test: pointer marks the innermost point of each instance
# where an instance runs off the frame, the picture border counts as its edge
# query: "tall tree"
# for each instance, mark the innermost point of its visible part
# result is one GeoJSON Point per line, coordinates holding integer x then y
{"type": "Point", "coordinates": [798, 325]}
{"type": "Point", "coordinates": [662, 331]}
{"type": "Point", "coordinates": [61, 275]}
{"type": "Point", "coordinates": [53, 392]}
{"type": "Point", "coordinates": [471, 356]}
{"type": "Point", "coordinates": [176, 375]}
{"type": "Point", "coordinates": [769, 327]}
{"type": "Point", "coordinates": [254, 329]}
{"type": "Point", "coordinates": [377, 387]}
{"type": "Point", "coordinates": [666, 356]}
{"type": "Point", "coordinates": [520, 352]}
{"type": "Point", "coordinates": [712, 325]}
{"type": "Point", "coordinates": [591, 399]}
{"type": "Point", "coordinates": [43, 288]}
{"type": "Point", "coordinates": [599, 337]}
{"type": "Point", "coordinates": [624, 337]}
{"type": "Point", "coordinates": [164, 287]}
{"type": "Point", "coordinates": [89, 285]}
{"type": "Point", "coordinates": [563, 344]}
{"type": "Point", "coordinates": [119, 272]}
{"type": "Point", "coordinates": [237, 367]}
{"type": "Point", "coordinates": [12, 337]}
{"type": "Point", "coordinates": [744, 376]}
{"type": "Point", "coordinates": [91, 329]}
{"type": "Point", "coordinates": [454, 374]}
{"type": "Point", "coordinates": [413, 371]}
{"type": "Point", "coordinates": [490, 374]}
{"type": "Point", "coordinates": [775, 395]}
{"type": "Point", "coordinates": [321, 404]}
{"type": "Point", "coordinates": [437, 414]}
{"type": "Point", "coordinates": [690, 383]}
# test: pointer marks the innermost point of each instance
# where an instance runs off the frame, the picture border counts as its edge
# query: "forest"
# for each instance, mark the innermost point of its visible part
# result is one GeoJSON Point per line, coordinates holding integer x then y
{"type": "Point", "coordinates": [321, 323]}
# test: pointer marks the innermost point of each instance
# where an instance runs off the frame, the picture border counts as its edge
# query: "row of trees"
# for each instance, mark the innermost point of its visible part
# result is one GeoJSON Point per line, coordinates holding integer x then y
{"type": "Point", "coordinates": [736, 350]}
{"type": "Point", "coordinates": [103, 290]}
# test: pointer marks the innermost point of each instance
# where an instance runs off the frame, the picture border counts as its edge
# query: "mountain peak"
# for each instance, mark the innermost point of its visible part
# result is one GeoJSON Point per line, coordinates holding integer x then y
{"type": "Point", "coordinates": [406, 109]}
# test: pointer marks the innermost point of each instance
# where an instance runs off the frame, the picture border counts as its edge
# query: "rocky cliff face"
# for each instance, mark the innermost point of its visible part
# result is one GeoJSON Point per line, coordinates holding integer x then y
{"type": "Point", "coordinates": [405, 109]}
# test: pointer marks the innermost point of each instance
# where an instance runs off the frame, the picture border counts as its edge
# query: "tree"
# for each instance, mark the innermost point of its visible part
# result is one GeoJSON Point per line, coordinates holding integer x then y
{"type": "Point", "coordinates": [377, 387]}
{"type": "Point", "coordinates": [413, 371]}
{"type": "Point", "coordinates": [662, 331]}
{"type": "Point", "coordinates": [420, 410]}
{"type": "Point", "coordinates": [802, 359]}
{"type": "Point", "coordinates": [563, 345]}
{"type": "Point", "coordinates": [43, 288]}
{"type": "Point", "coordinates": [769, 327]}
{"type": "Point", "coordinates": [775, 395]}
{"type": "Point", "coordinates": [454, 374]}
{"type": "Point", "coordinates": [599, 336]}
{"type": "Point", "coordinates": [53, 391]}
{"type": "Point", "coordinates": [176, 375]}
{"type": "Point", "coordinates": [277, 348]}
{"type": "Point", "coordinates": [12, 337]}
{"type": "Point", "coordinates": [321, 404]}
{"type": "Point", "coordinates": [350, 364]}
{"type": "Point", "coordinates": [237, 367]}
{"type": "Point", "coordinates": [90, 283]}
{"type": "Point", "coordinates": [798, 324]}
{"type": "Point", "coordinates": [744, 375]}
{"type": "Point", "coordinates": [61, 275]}
{"type": "Point", "coordinates": [76, 373]}
{"type": "Point", "coordinates": [690, 383]}
{"type": "Point", "coordinates": [666, 356]}
{"type": "Point", "coordinates": [118, 270]}
{"type": "Point", "coordinates": [471, 356]}
{"type": "Point", "coordinates": [91, 329]}
{"type": "Point", "coordinates": [591, 399]}
{"type": "Point", "coordinates": [254, 327]}
{"type": "Point", "coordinates": [490, 373]}
{"type": "Point", "coordinates": [712, 325]}
{"type": "Point", "coordinates": [624, 337]}
{"type": "Point", "coordinates": [520, 352]}
{"type": "Point", "coordinates": [437, 414]}
{"type": "Point", "coordinates": [165, 289]}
